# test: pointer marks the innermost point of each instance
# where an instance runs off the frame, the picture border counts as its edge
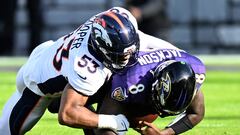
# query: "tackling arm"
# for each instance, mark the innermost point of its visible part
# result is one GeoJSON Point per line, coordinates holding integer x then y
{"type": "Point", "coordinates": [72, 111]}
{"type": "Point", "coordinates": [73, 114]}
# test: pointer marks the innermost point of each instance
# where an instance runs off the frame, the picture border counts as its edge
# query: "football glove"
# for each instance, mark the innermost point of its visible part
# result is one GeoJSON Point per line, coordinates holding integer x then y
{"type": "Point", "coordinates": [117, 123]}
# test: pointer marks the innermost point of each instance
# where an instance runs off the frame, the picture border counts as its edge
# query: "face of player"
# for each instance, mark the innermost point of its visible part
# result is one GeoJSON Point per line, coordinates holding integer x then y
{"type": "Point", "coordinates": [121, 60]}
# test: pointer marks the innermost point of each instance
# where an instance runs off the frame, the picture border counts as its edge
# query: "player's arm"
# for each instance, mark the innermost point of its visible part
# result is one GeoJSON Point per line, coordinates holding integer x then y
{"type": "Point", "coordinates": [196, 110]}
{"type": "Point", "coordinates": [193, 115]}
{"type": "Point", "coordinates": [72, 113]}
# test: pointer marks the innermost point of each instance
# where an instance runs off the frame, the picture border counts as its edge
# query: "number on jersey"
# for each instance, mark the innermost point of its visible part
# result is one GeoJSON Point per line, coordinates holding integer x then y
{"type": "Point", "coordinates": [63, 51]}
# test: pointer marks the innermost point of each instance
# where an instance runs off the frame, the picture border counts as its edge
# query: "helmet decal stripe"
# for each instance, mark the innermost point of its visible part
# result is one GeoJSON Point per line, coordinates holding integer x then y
{"type": "Point", "coordinates": [112, 15]}
{"type": "Point", "coordinates": [119, 21]}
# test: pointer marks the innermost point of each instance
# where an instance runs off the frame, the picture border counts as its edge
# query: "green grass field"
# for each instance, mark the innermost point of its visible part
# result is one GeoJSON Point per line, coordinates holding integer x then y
{"type": "Point", "coordinates": [222, 99]}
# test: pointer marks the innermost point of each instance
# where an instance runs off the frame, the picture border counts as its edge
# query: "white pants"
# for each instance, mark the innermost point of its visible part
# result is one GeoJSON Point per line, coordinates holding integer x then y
{"type": "Point", "coordinates": [24, 109]}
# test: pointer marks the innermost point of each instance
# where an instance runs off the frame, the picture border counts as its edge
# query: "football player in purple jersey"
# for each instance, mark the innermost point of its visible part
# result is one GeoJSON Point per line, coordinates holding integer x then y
{"type": "Point", "coordinates": [165, 82]}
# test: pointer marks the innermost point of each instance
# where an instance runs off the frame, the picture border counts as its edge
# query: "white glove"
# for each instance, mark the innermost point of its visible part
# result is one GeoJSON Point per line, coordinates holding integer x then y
{"type": "Point", "coordinates": [118, 123]}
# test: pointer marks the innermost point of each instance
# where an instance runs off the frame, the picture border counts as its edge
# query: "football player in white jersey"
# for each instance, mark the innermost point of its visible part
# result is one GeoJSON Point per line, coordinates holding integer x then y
{"type": "Point", "coordinates": [74, 67]}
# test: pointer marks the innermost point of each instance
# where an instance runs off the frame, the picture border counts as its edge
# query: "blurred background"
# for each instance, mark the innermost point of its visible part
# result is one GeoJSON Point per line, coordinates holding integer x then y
{"type": "Point", "coordinates": [209, 29]}
{"type": "Point", "coordinates": [198, 26]}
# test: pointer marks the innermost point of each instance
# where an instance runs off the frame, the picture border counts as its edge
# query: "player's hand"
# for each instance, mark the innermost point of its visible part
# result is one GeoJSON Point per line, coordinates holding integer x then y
{"type": "Point", "coordinates": [117, 123]}
{"type": "Point", "coordinates": [122, 124]}
{"type": "Point", "coordinates": [147, 128]}
{"type": "Point", "coordinates": [151, 129]}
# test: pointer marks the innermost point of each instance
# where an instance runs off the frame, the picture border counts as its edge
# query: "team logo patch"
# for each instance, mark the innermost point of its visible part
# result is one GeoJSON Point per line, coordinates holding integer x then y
{"type": "Point", "coordinates": [118, 94]}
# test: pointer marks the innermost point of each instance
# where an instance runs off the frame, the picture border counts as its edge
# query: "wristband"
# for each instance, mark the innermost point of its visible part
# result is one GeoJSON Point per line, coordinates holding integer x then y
{"type": "Point", "coordinates": [107, 121]}
{"type": "Point", "coordinates": [182, 125]}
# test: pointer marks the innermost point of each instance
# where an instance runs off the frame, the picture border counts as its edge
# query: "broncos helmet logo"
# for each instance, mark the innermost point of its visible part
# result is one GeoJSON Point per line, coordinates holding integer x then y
{"type": "Point", "coordinates": [101, 33]}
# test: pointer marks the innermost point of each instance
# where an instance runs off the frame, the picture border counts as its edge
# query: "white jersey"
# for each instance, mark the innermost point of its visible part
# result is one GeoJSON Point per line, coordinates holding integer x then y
{"type": "Point", "coordinates": [150, 42]}
{"type": "Point", "coordinates": [68, 60]}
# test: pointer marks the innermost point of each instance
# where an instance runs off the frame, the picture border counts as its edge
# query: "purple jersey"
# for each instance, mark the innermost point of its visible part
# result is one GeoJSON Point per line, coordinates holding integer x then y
{"type": "Point", "coordinates": [134, 84]}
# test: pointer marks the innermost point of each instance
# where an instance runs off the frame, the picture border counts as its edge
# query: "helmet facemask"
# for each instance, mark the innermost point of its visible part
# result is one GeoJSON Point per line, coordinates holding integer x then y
{"type": "Point", "coordinates": [116, 61]}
